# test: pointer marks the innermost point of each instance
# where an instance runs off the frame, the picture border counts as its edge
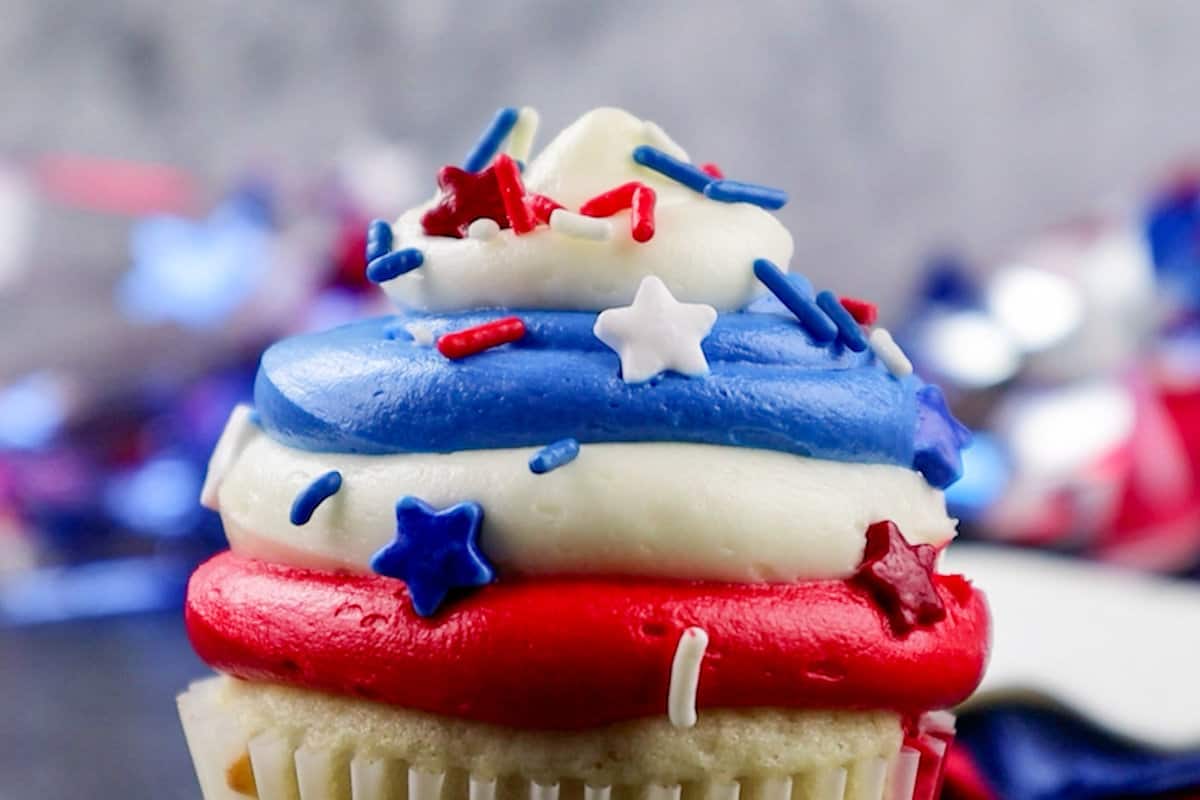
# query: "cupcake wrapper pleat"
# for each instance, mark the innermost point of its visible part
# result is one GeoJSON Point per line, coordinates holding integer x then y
{"type": "Point", "coordinates": [233, 763]}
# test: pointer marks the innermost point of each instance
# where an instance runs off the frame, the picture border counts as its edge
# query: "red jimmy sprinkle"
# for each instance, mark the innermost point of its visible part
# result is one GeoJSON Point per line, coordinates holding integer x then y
{"type": "Point", "coordinates": [712, 170]}
{"type": "Point", "coordinates": [642, 217]}
{"type": "Point", "coordinates": [470, 341]}
{"type": "Point", "coordinates": [512, 191]}
{"type": "Point", "coordinates": [864, 313]}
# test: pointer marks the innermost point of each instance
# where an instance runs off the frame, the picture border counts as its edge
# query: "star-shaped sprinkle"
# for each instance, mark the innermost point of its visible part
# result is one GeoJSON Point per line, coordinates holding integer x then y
{"type": "Point", "coordinates": [465, 197]}
{"type": "Point", "coordinates": [656, 333]}
{"type": "Point", "coordinates": [435, 552]}
{"type": "Point", "coordinates": [900, 578]}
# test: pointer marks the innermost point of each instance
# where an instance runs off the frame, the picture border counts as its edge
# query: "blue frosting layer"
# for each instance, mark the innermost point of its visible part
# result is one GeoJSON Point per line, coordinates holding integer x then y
{"type": "Point", "coordinates": [368, 388]}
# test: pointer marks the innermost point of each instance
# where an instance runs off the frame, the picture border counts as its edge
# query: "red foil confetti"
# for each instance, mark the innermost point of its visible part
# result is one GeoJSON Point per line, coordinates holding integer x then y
{"type": "Point", "coordinates": [512, 192]}
{"type": "Point", "coordinates": [465, 197]}
{"type": "Point", "coordinates": [642, 217]}
{"type": "Point", "coordinates": [712, 169]}
{"type": "Point", "coordinates": [864, 313]}
{"type": "Point", "coordinates": [470, 341]}
{"type": "Point", "coordinates": [900, 578]}
{"type": "Point", "coordinates": [610, 202]}
{"type": "Point", "coordinates": [542, 207]}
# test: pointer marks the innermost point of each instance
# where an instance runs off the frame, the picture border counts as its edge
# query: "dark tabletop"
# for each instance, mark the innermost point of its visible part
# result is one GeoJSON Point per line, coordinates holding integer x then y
{"type": "Point", "coordinates": [89, 710]}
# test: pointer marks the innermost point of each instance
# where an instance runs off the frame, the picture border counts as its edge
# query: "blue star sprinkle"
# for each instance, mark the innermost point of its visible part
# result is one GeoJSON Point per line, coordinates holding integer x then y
{"type": "Point", "coordinates": [434, 552]}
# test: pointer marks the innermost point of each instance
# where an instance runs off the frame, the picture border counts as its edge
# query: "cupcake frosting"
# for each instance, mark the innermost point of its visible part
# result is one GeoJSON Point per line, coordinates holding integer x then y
{"type": "Point", "coordinates": [700, 249]}
{"type": "Point", "coordinates": [602, 419]}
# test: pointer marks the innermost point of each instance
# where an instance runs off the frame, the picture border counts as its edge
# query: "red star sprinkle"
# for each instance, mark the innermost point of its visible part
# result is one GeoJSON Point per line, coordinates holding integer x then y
{"type": "Point", "coordinates": [465, 197]}
{"type": "Point", "coordinates": [864, 313]}
{"type": "Point", "coordinates": [900, 578]}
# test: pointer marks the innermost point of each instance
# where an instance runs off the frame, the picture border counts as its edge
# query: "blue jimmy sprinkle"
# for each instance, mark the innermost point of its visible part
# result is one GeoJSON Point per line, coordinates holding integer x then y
{"type": "Point", "coordinates": [393, 265]}
{"type": "Point", "coordinates": [819, 326]}
{"type": "Point", "coordinates": [553, 456]}
{"type": "Point", "coordinates": [848, 328]}
{"type": "Point", "coordinates": [493, 136]}
{"type": "Point", "coordinates": [689, 175]}
{"type": "Point", "coordinates": [379, 240]}
{"type": "Point", "coordinates": [738, 192]}
{"type": "Point", "coordinates": [311, 496]}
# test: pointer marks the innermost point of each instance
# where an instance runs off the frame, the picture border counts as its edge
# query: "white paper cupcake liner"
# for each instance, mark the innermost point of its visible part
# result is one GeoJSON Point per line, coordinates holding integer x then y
{"type": "Point", "coordinates": [233, 763]}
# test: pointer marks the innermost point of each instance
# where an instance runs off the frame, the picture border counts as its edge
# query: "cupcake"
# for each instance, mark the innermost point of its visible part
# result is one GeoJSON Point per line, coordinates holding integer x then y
{"type": "Point", "coordinates": [614, 507]}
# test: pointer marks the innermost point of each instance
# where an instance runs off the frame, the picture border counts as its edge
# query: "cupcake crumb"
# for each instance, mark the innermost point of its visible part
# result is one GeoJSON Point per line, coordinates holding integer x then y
{"type": "Point", "coordinates": [239, 776]}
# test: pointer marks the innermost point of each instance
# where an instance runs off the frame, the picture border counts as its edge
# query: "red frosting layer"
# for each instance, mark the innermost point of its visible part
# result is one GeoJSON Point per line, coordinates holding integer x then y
{"type": "Point", "coordinates": [580, 652]}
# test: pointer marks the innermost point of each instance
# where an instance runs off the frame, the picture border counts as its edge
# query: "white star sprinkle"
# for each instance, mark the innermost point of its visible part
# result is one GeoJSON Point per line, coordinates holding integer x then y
{"type": "Point", "coordinates": [656, 333]}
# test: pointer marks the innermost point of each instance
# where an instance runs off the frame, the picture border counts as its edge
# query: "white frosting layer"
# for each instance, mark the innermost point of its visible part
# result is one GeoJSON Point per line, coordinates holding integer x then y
{"type": "Point", "coordinates": [686, 511]}
{"type": "Point", "coordinates": [702, 249]}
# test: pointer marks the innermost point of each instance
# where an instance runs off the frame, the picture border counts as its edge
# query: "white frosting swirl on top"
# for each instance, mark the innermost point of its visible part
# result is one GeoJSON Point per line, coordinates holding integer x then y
{"type": "Point", "coordinates": [685, 511]}
{"type": "Point", "coordinates": [702, 249]}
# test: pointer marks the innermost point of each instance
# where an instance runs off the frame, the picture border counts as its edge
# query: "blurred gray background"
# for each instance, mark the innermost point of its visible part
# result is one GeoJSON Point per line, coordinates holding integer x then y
{"type": "Point", "coordinates": [896, 125]}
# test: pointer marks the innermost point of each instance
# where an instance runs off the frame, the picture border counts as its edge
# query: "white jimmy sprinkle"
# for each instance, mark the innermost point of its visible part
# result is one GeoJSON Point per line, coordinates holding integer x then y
{"type": "Point", "coordinates": [520, 140]}
{"type": "Point", "coordinates": [887, 351]}
{"type": "Point", "coordinates": [421, 333]}
{"type": "Point", "coordinates": [685, 677]}
{"type": "Point", "coordinates": [568, 223]}
{"type": "Point", "coordinates": [483, 229]}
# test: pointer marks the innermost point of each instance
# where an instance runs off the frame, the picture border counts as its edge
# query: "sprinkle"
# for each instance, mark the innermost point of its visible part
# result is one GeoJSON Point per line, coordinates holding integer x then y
{"type": "Point", "coordinates": [470, 341]}
{"type": "Point", "coordinates": [863, 312]}
{"type": "Point", "coordinates": [685, 677]}
{"type": "Point", "coordinates": [687, 174]}
{"type": "Point", "coordinates": [464, 197]}
{"type": "Point", "coordinates": [656, 333]}
{"type": "Point", "coordinates": [520, 140]}
{"type": "Point", "coordinates": [489, 143]}
{"type": "Point", "coordinates": [712, 169]}
{"type": "Point", "coordinates": [820, 327]}
{"type": "Point", "coordinates": [608, 203]}
{"type": "Point", "coordinates": [393, 265]}
{"type": "Point", "coordinates": [422, 334]}
{"type": "Point", "coordinates": [900, 577]}
{"type": "Point", "coordinates": [379, 240]}
{"type": "Point", "coordinates": [848, 327]}
{"type": "Point", "coordinates": [553, 456]}
{"type": "Point", "coordinates": [434, 552]}
{"type": "Point", "coordinates": [642, 218]}
{"type": "Point", "coordinates": [578, 226]}
{"type": "Point", "coordinates": [542, 207]}
{"type": "Point", "coordinates": [483, 229]}
{"type": "Point", "coordinates": [241, 426]}
{"type": "Point", "coordinates": [311, 496]}
{"type": "Point", "coordinates": [727, 191]}
{"type": "Point", "coordinates": [887, 351]}
{"type": "Point", "coordinates": [512, 192]}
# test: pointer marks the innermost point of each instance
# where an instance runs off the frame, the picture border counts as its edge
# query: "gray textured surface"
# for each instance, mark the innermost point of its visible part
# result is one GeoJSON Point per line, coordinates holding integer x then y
{"type": "Point", "coordinates": [894, 124]}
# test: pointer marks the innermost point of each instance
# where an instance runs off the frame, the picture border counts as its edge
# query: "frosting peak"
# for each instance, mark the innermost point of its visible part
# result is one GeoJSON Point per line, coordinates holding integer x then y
{"type": "Point", "coordinates": [702, 249]}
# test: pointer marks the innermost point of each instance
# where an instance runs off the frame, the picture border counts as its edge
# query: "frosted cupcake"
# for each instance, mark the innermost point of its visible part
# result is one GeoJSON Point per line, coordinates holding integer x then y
{"type": "Point", "coordinates": [612, 507]}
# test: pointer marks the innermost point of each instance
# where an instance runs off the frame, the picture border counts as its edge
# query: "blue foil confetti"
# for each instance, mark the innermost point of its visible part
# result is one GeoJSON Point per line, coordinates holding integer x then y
{"type": "Point", "coordinates": [311, 496]}
{"type": "Point", "coordinates": [491, 139]}
{"type": "Point", "coordinates": [553, 456]}
{"type": "Point", "coordinates": [819, 326]}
